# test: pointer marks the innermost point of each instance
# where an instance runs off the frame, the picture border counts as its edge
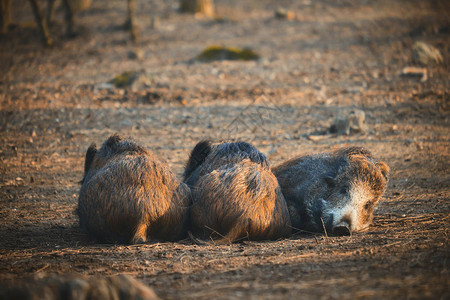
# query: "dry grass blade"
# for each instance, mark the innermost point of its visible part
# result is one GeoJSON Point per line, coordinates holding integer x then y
{"type": "Point", "coordinates": [324, 229]}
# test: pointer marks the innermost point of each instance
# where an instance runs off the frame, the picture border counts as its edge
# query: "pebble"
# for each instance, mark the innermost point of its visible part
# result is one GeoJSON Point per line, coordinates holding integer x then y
{"type": "Point", "coordinates": [282, 13]}
{"type": "Point", "coordinates": [135, 54]}
{"type": "Point", "coordinates": [350, 123]}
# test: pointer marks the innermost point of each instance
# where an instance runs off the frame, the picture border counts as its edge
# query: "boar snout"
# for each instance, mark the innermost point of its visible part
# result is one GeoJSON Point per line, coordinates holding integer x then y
{"type": "Point", "coordinates": [343, 227]}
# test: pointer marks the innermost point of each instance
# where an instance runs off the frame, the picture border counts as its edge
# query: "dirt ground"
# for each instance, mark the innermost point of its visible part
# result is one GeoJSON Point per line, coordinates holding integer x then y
{"type": "Point", "coordinates": [333, 57]}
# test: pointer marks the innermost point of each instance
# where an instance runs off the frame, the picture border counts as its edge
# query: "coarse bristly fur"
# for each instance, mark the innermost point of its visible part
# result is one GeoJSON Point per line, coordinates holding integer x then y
{"type": "Point", "coordinates": [43, 286]}
{"type": "Point", "coordinates": [235, 194]}
{"type": "Point", "coordinates": [128, 196]}
{"type": "Point", "coordinates": [335, 191]}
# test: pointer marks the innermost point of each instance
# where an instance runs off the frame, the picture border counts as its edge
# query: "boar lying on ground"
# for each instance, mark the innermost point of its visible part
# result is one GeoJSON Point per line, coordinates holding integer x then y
{"type": "Point", "coordinates": [335, 191]}
{"type": "Point", "coordinates": [74, 287]}
{"type": "Point", "coordinates": [235, 195]}
{"type": "Point", "coordinates": [128, 196]}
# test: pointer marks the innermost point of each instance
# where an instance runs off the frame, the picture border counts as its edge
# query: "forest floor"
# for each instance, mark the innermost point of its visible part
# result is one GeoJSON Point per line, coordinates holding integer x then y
{"type": "Point", "coordinates": [333, 57]}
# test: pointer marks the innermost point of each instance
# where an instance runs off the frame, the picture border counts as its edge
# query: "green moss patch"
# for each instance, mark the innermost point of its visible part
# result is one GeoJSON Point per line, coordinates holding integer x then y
{"type": "Point", "coordinates": [135, 80]}
{"type": "Point", "coordinates": [213, 53]}
{"type": "Point", "coordinates": [123, 80]}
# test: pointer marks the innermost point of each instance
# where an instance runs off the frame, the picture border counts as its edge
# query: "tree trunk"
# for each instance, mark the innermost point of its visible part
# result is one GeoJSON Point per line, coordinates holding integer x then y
{"type": "Point", "coordinates": [50, 11]}
{"type": "Point", "coordinates": [5, 15]}
{"type": "Point", "coordinates": [204, 7]}
{"type": "Point", "coordinates": [68, 16]}
{"type": "Point", "coordinates": [42, 24]}
{"type": "Point", "coordinates": [79, 5]}
{"type": "Point", "coordinates": [130, 23]}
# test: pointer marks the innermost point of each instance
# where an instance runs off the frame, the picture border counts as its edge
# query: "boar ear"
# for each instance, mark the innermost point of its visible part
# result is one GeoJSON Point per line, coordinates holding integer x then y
{"type": "Point", "coordinates": [197, 157]}
{"type": "Point", "coordinates": [384, 168]}
{"type": "Point", "coordinates": [244, 150]}
{"type": "Point", "coordinates": [90, 153]}
{"type": "Point", "coordinates": [338, 167]}
{"type": "Point", "coordinates": [352, 151]}
{"type": "Point", "coordinates": [113, 140]}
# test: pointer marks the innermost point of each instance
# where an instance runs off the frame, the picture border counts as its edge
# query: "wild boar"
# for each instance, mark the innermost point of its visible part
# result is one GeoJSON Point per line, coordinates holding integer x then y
{"type": "Point", "coordinates": [75, 286]}
{"type": "Point", "coordinates": [128, 196]}
{"type": "Point", "coordinates": [335, 192]}
{"type": "Point", "coordinates": [234, 193]}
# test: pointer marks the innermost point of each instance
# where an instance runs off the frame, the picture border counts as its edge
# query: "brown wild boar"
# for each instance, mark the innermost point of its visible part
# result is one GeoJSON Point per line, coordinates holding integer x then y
{"type": "Point", "coordinates": [334, 192]}
{"type": "Point", "coordinates": [128, 196]}
{"type": "Point", "coordinates": [234, 193]}
{"type": "Point", "coordinates": [75, 286]}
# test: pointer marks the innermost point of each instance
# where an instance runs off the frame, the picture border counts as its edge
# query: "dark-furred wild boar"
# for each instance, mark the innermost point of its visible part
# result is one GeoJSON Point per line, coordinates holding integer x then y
{"type": "Point", "coordinates": [334, 192]}
{"type": "Point", "coordinates": [128, 196]}
{"type": "Point", "coordinates": [235, 195]}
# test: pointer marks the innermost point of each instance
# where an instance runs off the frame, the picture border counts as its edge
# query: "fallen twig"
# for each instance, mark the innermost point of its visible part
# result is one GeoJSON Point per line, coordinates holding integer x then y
{"type": "Point", "coordinates": [42, 269]}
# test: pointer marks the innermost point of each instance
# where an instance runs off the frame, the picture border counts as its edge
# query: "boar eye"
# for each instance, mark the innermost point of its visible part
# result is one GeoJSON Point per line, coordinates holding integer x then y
{"type": "Point", "coordinates": [343, 190]}
{"type": "Point", "coordinates": [368, 205]}
{"type": "Point", "coordinates": [330, 181]}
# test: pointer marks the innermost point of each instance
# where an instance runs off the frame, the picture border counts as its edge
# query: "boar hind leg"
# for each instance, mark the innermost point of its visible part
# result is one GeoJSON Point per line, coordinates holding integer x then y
{"type": "Point", "coordinates": [140, 236]}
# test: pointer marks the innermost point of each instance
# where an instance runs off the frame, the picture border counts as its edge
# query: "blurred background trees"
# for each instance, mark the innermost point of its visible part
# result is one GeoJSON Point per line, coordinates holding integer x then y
{"type": "Point", "coordinates": [45, 17]}
{"type": "Point", "coordinates": [5, 15]}
{"type": "Point", "coordinates": [204, 7]}
{"type": "Point", "coordinates": [71, 7]}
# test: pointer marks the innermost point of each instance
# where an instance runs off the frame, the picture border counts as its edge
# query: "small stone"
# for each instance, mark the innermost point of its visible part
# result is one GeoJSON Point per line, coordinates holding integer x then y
{"type": "Point", "coordinates": [282, 13]}
{"type": "Point", "coordinates": [135, 54]}
{"type": "Point", "coordinates": [151, 98]}
{"type": "Point", "coordinates": [351, 123]}
{"type": "Point", "coordinates": [316, 138]}
{"type": "Point", "coordinates": [104, 86]}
